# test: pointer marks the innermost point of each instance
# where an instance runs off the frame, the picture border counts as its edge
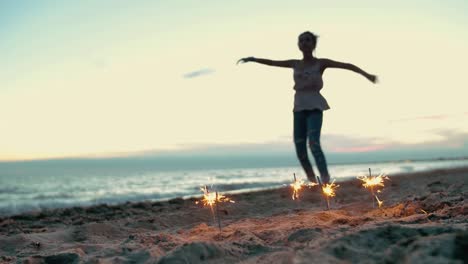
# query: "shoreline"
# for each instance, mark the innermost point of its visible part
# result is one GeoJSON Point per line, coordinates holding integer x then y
{"type": "Point", "coordinates": [264, 226]}
{"type": "Point", "coordinates": [194, 197]}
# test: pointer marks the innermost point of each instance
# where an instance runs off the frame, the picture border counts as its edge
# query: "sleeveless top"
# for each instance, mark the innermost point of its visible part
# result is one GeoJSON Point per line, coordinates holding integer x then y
{"type": "Point", "coordinates": [307, 83]}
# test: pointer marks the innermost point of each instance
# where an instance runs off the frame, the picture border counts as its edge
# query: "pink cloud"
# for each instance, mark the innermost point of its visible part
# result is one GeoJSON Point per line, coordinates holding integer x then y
{"type": "Point", "coordinates": [359, 149]}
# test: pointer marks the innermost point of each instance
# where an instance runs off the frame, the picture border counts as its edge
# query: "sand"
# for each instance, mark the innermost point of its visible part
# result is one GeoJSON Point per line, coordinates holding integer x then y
{"type": "Point", "coordinates": [423, 220]}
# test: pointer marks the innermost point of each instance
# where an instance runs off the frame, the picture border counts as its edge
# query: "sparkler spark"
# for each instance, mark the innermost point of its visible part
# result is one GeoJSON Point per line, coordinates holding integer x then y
{"type": "Point", "coordinates": [329, 189]}
{"type": "Point", "coordinates": [209, 198]}
{"type": "Point", "coordinates": [372, 182]}
{"type": "Point", "coordinates": [297, 186]}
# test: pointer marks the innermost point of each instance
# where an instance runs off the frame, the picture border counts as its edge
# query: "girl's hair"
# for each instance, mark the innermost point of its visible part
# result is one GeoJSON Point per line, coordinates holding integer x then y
{"type": "Point", "coordinates": [312, 35]}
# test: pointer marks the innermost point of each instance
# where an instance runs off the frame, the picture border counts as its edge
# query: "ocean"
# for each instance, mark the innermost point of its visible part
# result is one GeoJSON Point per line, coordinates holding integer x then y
{"type": "Point", "coordinates": [43, 185]}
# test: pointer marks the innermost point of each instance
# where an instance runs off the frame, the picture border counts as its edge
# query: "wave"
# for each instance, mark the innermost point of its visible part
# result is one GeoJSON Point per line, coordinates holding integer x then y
{"type": "Point", "coordinates": [47, 192]}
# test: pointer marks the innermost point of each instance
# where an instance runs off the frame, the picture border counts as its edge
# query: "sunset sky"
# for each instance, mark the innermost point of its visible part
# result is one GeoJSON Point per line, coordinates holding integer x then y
{"type": "Point", "coordinates": [113, 78]}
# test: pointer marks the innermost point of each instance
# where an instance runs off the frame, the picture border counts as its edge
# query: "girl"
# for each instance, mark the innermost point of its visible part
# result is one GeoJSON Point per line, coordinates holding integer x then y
{"type": "Point", "coordinates": [309, 104]}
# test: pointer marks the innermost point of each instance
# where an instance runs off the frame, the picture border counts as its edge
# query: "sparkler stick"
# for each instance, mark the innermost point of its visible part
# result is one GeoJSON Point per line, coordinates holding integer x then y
{"type": "Point", "coordinates": [295, 191]}
{"type": "Point", "coordinates": [372, 190]}
{"type": "Point", "coordinates": [217, 212]}
{"type": "Point", "coordinates": [319, 183]}
{"type": "Point", "coordinates": [209, 201]}
{"type": "Point", "coordinates": [213, 199]}
{"type": "Point", "coordinates": [324, 193]}
{"type": "Point", "coordinates": [328, 203]}
{"type": "Point", "coordinates": [378, 201]}
{"type": "Point", "coordinates": [329, 191]}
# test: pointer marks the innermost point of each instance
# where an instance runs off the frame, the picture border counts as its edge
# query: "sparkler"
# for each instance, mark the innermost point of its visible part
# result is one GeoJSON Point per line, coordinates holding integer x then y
{"type": "Point", "coordinates": [329, 191]}
{"type": "Point", "coordinates": [213, 199]}
{"type": "Point", "coordinates": [372, 182]}
{"type": "Point", "coordinates": [297, 186]}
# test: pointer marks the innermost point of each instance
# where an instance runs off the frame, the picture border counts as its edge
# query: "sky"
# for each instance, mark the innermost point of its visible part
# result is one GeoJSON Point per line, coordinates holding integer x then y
{"type": "Point", "coordinates": [120, 78]}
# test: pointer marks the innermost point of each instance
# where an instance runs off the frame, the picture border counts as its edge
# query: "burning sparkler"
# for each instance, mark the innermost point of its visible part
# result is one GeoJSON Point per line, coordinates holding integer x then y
{"type": "Point", "coordinates": [297, 186]}
{"type": "Point", "coordinates": [213, 199]}
{"type": "Point", "coordinates": [372, 182]}
{"type": "Point", "coordinates": [329, 191]}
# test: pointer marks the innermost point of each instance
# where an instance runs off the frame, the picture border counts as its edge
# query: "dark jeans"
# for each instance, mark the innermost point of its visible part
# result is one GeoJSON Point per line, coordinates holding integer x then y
{"type": "Point", "coordinates": [307, 126]}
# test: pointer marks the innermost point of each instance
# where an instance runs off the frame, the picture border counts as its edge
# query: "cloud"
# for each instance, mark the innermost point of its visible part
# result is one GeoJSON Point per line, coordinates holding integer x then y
{"type": "Point", "coordinates": [359, 149]}
{"type": "Point", "coordinates": [331, 143]}
{"type": "Point", "coordinates": [338, 149]}
{"type": "Point", "coordinates": [339, 143]}
{"type": "Point", "coordinates": [101, 63]}
{"type": "Point", "coordinates": [272, 147]}
{"type": "Point", "coordinates": [429, 117]}
{"type": "Point", "coordinates": [450, 139]}
{"type": "Point", "coordinates": [345, 144]}
{"type": "Point", "coordinates": [198, 73]}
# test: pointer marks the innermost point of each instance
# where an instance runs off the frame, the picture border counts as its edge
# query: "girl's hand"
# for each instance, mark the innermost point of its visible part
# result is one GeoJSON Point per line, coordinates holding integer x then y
{"type": "Point", "coordinates": [372, 78]}
{"type": "Point", "coordinates": [244, 60]}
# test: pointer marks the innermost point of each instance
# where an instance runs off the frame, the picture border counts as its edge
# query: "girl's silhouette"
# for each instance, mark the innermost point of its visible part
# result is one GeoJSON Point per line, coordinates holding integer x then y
{"type": "Point", "coordinates": [309, 104]}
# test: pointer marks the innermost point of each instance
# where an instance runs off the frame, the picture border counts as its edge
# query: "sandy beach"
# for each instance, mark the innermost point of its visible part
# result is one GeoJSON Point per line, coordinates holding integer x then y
{"type": "Point", "coordinates": [424, 219]}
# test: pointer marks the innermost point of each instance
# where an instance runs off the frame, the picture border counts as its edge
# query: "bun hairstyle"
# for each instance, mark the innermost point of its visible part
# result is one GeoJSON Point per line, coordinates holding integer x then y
{"type": "Point", "coordinates": [312, 35]}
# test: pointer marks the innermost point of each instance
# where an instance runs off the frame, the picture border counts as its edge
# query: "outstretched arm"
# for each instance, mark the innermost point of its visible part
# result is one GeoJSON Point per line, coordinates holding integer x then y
{"type": "Point", "coordinates": [286, 63]}
{"type": "Point", "coordinates": [326, 63]}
